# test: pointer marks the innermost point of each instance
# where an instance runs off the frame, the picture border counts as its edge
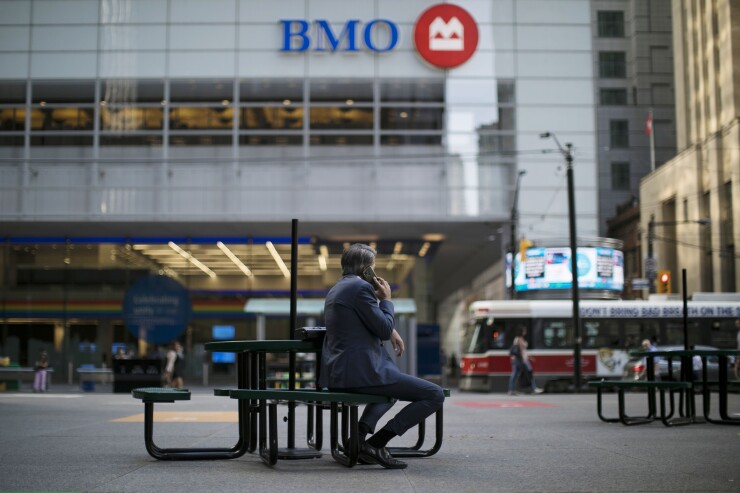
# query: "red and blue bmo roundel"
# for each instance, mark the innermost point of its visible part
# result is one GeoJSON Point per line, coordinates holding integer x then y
{"type": "Point", "coordinates": [446, 35]}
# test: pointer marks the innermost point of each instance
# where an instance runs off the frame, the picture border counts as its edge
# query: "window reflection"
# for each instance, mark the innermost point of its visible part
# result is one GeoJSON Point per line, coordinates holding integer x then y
{"type": "Point", "coordinates": [274, 90]}
{"type": "Point", "coordinates": [62, 140]}
{"type": "Point", "coordinates": [190, 91]}
{"type": "Point", "coordinates": [414, 91]}
{"type": "Point", "coordinates": [357, 91]}
{"type": "Point", "coordinates": [13, 92]}
{"type": "Point", "coordinates": [126, 118]}
{"type": "Point", "coordinates": [12, 119]}
{"type": "Point", "coordinates": [200, 140]}
{"type": "Point", "coordinates": [410, 118]}
{"type": "Point", "coordinates": [267, 118]}
{"type": "Point", "coordinates": [401, 139]}
{"type": "Point", "coordinates": [62, 119]}
{"type": "Point", "coordinates": [11, 140]}
{"type": "Point", "coordinates": [345, 117]}
{"type": "Point", "coordinates": [63, 92]}
{"type": "Point", "coordinates": [341, 140]}
{"type": "Point", "coordinates": [132, 91]}
{"type": "Point", "coordinates": [201, 118]}
{"type": "Point", "coordinates": [131, 140]}
{"type": "Point", "coordinates": [270, 140]}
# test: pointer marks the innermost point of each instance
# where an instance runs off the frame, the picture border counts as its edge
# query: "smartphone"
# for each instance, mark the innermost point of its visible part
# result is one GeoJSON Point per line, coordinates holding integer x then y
{"type": "Point", "coordinates": [369, 275]}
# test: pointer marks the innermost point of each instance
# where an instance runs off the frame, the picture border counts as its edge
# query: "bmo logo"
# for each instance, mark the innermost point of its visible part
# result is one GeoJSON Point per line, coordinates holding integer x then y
{"type": "Point", "coordinates": [446, 35]}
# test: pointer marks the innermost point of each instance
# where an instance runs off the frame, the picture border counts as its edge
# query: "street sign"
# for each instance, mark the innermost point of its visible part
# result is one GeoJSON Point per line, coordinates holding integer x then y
{"type": "Point", "coordinates": [640, 283]}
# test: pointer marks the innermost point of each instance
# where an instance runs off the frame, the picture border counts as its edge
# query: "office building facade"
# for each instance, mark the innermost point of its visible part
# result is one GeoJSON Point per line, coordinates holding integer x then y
{"type": "Point", "coordinates": [130, 126]}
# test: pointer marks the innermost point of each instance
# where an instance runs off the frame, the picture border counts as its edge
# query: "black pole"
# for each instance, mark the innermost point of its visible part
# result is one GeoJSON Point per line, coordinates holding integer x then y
{"type": "Point", "coordinates": [293, 323]}
{"type": "Point", "coordinates": [574, 270]}
{"type": "Point", "coordinates": [651, 270]}
{"type": "Point", "coordinates": [685, 311]}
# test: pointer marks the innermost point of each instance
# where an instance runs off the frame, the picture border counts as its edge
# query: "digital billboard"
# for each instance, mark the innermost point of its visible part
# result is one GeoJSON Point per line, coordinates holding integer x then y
{"type": "Point", "coordinates": [550, 268]}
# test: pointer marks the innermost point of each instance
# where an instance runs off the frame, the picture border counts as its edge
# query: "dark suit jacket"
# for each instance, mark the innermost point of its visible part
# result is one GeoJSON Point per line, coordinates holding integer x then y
{"type": "Point", "coordinates": [356, 325]}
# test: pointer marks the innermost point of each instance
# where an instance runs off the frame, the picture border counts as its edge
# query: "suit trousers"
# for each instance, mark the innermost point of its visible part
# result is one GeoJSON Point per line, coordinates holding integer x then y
{"type": "Point", "coordinates": [425, 397]}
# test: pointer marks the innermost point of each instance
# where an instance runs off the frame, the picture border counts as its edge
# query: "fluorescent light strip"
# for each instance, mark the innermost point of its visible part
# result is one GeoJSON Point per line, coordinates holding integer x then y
{"type": "Point", "coordinates": [278, 260]}
{"type": "Point", "coordinates": [322, 262]}
{"type": "Point", "coordinates": [424, 248]}
{"type": "Point", "coordinates": [397, 248]}
{"type": "Point", "coordinates": [192, 259]}
{"type": "Point", "coordinates": [234, 259]}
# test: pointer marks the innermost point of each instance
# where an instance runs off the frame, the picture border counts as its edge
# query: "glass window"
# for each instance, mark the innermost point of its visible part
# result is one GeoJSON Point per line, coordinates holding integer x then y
{"type": "Point", "coordinates": [274, 90]}
{"type": "Point", "coordinates": [63, 92]}
{"type": "Point", "coordinates": [613, 97]}
{"type": "Point", "coordinates": [128, 118]}
{"type": "Point", "coordinates": [413, 91]}
{"type": "Point", "coordinates": [610, 23]}
{"type": "Point", "coordinates": [271, 118]}
{"type": "Point", "coordinates": [411, 118]}
{"type": "Point", "coordinates": [12, 92]}
{"type": "Point", "coordinates": [506, 92]}
{"type": "Point", "coordinates": [344, 117]}
{"type": "Point", "coordinates": [422, 140]}
{"type": "Point", "coordinates": [201, 118]}
{"type": "Point", "coordinates": [620, 176]}
{"type": "Point", "coordinates": [200, 140]}
{"type": "Point", "coordinates": [612, 65]}
{"type": "Point", "coordinates": [11, 140]}
{"type": "Point", "coordinates": [12, 119]}
{"type": "Point", "coordinates": [192, 91]}
{"type": "Point", "coordinates": [354, 90]}
{"type": "Point", "coordinates": [62, 140]}
{"type": "Point", "coordinates": [270, 140]}
{"type": "Point", "coordinates": [554, 333]}
{"type": "Point", "coordinates": [601, 333]}
{"type": "Point", "coordinates": [491, 142]}
{"type": "Point", "coordinates": [132, 91]}
{"type": "Point", "coordinates": [131, 140]}
{"type": "Point", "coordinates": [46, 118]}
{"type": "Point", "coordinates": [341, 140]}
{"type": "Point", "coordinates": [619, 134]}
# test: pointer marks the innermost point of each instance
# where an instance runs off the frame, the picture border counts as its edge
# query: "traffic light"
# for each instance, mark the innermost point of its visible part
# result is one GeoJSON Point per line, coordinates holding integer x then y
{"type": "Point", "coordinates": [664, 282]}
{"type": "Point", "coordinates": [524, 244]}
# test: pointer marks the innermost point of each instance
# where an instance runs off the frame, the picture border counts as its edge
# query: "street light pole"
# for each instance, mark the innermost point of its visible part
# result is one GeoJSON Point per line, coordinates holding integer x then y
{"type": "Point", "coordinates": [514, 221]}
{"type": "Point", "coordinates": [567, 153]}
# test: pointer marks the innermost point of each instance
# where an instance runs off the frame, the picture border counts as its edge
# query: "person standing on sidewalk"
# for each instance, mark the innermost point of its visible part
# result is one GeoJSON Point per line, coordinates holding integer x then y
{"type": "Point", "coordinates": [40, 369]}
{"type": "Point", "coordinates": [521, 364]}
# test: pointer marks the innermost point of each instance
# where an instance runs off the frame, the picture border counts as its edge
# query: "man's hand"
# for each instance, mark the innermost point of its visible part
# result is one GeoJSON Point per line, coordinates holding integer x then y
{"type": "Point", "coordinates": [382, 289]}
{"type": "Point", "coordinates": [397, 342]}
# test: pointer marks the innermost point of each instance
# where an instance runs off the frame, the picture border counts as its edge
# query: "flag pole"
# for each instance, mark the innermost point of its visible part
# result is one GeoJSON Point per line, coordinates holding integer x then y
{"type": "Point", "coordinates": [651, 134]}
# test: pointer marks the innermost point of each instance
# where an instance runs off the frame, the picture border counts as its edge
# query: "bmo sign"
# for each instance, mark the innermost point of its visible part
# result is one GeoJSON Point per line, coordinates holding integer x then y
{"type": "Point", "coordinates": [445, 35]}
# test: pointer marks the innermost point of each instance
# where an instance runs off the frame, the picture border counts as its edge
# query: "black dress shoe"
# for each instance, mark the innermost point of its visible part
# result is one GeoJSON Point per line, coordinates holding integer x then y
{"type": "Point", "coordinates": [373, 455]}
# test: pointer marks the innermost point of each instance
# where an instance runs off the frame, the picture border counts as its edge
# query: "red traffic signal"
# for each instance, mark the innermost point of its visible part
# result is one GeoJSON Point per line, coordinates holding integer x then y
{"type": "Point", "coordinates": [665, 277]}
{"type": "Point", "coordinates": [664, 281]}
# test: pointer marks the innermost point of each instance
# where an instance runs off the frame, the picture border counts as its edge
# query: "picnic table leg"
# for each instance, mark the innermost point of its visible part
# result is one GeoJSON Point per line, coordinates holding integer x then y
{"type": "Point", "coordinates": [415, 451]}
{"type": "Point", "coordinates": [186, 453]}
{"type": "Point", "coordinates": [723, 390]}
{"type": "Point", "coordinates": [315, 427]}
{"type": "Point", "coordinates": [253, 404]}
{"type": "Point", "coordinates": [599, 408]}
{"type": "Point", "coordinates": [629, 420]}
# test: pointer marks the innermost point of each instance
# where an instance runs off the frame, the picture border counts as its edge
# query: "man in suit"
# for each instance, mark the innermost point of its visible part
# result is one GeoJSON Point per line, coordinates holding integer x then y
{"type": "Point", "coordinates": [359, 317]}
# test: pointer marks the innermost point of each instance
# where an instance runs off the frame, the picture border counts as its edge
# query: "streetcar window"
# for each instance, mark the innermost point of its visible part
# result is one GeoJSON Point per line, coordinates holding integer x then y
{"type": "Point", "coordinates": [555, 334]}
{"type": "Point", "coordinates": [600, 333]}
{"type": "Point", "coordinates": [723, 333]}
{"type": "Point", "coordinates": [475, 337]}
{"type": "Point", "coordinates": [637, 330]}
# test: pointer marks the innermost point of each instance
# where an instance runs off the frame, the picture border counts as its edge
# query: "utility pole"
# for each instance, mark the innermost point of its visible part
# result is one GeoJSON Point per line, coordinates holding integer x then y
{"type": "Point", "coordinates": [567, 153]}
{"type": "Point", "coordinates": [514, 221]}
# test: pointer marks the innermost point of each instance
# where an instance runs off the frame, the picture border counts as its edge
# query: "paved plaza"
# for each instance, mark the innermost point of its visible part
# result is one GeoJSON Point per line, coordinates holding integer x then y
{"type": "Point", "coordinates": [72, 441]}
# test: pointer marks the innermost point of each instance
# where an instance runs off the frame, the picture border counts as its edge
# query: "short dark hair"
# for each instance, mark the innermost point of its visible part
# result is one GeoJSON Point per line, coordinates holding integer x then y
{"type": "Point", "coordinates": [357, 258]}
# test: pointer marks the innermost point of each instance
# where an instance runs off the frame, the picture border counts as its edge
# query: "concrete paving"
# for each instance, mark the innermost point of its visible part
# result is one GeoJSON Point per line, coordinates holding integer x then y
{"type": "Point", "coordinates": [70, 441]}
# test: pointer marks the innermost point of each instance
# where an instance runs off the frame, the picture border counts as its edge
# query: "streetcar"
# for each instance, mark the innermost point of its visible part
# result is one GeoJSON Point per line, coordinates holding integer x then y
{"type": "Point", "coordinates": [609, 329]}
